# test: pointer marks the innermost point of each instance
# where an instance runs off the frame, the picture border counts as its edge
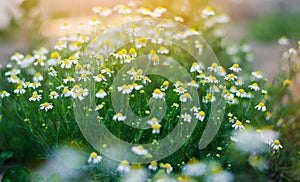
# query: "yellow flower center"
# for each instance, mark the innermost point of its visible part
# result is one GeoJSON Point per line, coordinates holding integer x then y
{"type": "Point", "coordinates": [46, 104]}
{"type": "Point", "coordinates": [238, 123]}
{"type": "Point", "coordinates": [156, 126]}
{"type": "Point", "coordinates": [93, 155]}
{"type": "Point", "coordinates": [276, 142]}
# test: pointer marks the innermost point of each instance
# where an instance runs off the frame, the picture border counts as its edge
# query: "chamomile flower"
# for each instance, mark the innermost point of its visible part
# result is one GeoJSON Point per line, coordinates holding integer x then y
{"type": "Point", "coordinates": [214, 67]}
{"type": "Point", "coordinates": [39, 62]}
{"type": "Point", "coordinates": [60, 45]}
{"type": "Point", "coordinates": [185, 97]}
{"type": "Point", "coordinates": [124, 166]}
{"type": "Point", "coordinates": [193, 83]}
{"type": "Point", "coordinates": [165, 85]}
{"type": "Point", "coordinates": [153, 166]}
{"type": "Point", "coordinates": [94, 158]}
{"type": "Point", "coordinates": [4, 93]}
{"type": "Point", "coordinates": [254, 86]}
{"type": "Point", "coordinates": [101, 94]}
{"type": "Point", "coordinates": [125, 89]}
{"type": "Point", "coordinates": [207, 12]}
{"type": "Point", "coordinates": [211, 79]}
{"type": "Point", "coordinates": [94, 21]}
{"type": "Point", "coordinates": [152, 121]}
{"type": "Point", "coordinates": [119, 117]}
{"type": "Point", "coordinates": [105, 11]}
{"type": "Point", "coordinates": [37, 77]}
{"type": "Point", "coordinates": [230, 77]}
{"type": "Point", "coordinates": [235, 68]}
{"type": "Point", "coordinates": [238, 125]}
{"type": "Point", "coordinates": [35, 85]}
{"type": "Point", "coordinates": [196, 67]}
{"type": "Point", "coordinates": [241, 93]}
{"type": "Point", "coordinates": [13, 79]}
{"type": "Point", "coordinates": [52, 72]}
{"type": "Point", "coordinates": [66, 92]}
{"type": "Point", "coordinates": [283, 40]}
{"type": "Point", "coordinates": [163, 50]}
{"type": "Point", "coordinates": [168, 168]}
{"type": "Point", "coordinates": [158, 94]}
{"type": "Point", "coordinates": [66, 64]}
{"type": "Point", "coordinates": [156, 128]}
{"type": "Point", "coordinates": [19, 90]}
{"type": "Point", "coordinates": [200, 115]}
{"type": "Point", "coordinates": [107, 71]}
{"type": "Point", "coordinates": [276, 145]}
{"type": "Point", "coordinates": [139, 150]}
{"type": "Point", "coordinates": [186, 117]}
{"type": "Point", "coordinates": [132, 52]}
{"type": "Point", "coordinates": [65, 26]}
{"type": "Point", "coordinates": [261, 107]}
{"type": "Point", "coordinates": [180, 90]}
{"type": "Point", "coordinates": [142, 42]}
{"type": "Point", "coordinates": [179, 19]}
{"type": "Point", "coordinates": [155, 59]}
{"type": "Point", "coordinates": [46, 106]}
{"type": "Point", "coordinates": [257, 74]}
{"type": "Point", "coordinates": [68, 79]}
{"type": "Point", "coordinates": [209, 98]}
{"type": "Point", "coordinates": [53, 95]}
{"type": "Point", "coordinates": [35, 97]}
{"type": "Point", "coordinates": [137, 86]}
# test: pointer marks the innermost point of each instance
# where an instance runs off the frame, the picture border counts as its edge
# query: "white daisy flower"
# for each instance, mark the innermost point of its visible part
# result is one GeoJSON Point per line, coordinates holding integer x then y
{"type": "Point", "coordinates": [68, 79]}
{"type": "Point", "coordinates": [66, 92]}
{"type": "Point", "coordinates": [152, 121]}
{"type": "Point", "coordinates": [156, 128]}
{"type": "Point", "coordinates": [19, 90]}
{"type": "Point", "coordinates": [119, 117]}
{"type": "Point", "coordinates": [37, 77]}
{"type": "Point", "coordinates": [4, 93]}
{"type": "Point", "coordinates": [180, 90]}
{"type": "Point", "coordinates": [214, 67]}
{"type": "Point", "coordinates": [153, 166]}
{"type": "Point", "coordinates": [137, 86]}
{"type": "Point", "coordinates": [158, 94]}
{"type": "Point", "coordinates": [53, 95]}
{"type": "Point", "coordinates": [196, 67]}
{"type": "Point", "coordinates": [193, 83]}
{"type": "Point", "coordinates": [101, 94]}
{"type": "Point", "coordinates": [35, 97]}
{"type": "Point", "coordinates": [125, 89]}
{"type": "Point", "coordinates": [241, 93]}
{"type": "Point", "coordinates": [257, 74]}
{"type": "Point", "coordinates": [230, 77]}
{"type": "Point", "coordinates": [168, 168]}
{"type": "Point", "coordinates": [94, 158]}
{"type": "Point", "coordinates": [276, 145]}
{"type": "Point", "coordinates": [163, 50]}
{"type": "Point", "coordinates": [238, 125]}
{"type": "Point", "coordinates": [200, 115]}
{"type": "Point", "coordinates": [207, 12]}
{"type": "Point", "coordinates": [235, 68]}
{"type": "Point", "coordinates": [94, 21]}
{"type": "Point", "coordinates": [124, 167]}
{"type": "Point", "coordinates": [254, 86]}
{"type": "Point", "coordinates": [185, 97]}
{"type": "Point", "coordinates": [99, 107]}
{"type": "Point", "coordinates": [186, 117]}
{"type": "Point", "coordinates": [139, 150]}
{"type": "Point", "coordinates": [46, 106]}
{"type": "Point", "coordinates": [261, 107]}
{"type": "Point", "coordinates": [35, 85]}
